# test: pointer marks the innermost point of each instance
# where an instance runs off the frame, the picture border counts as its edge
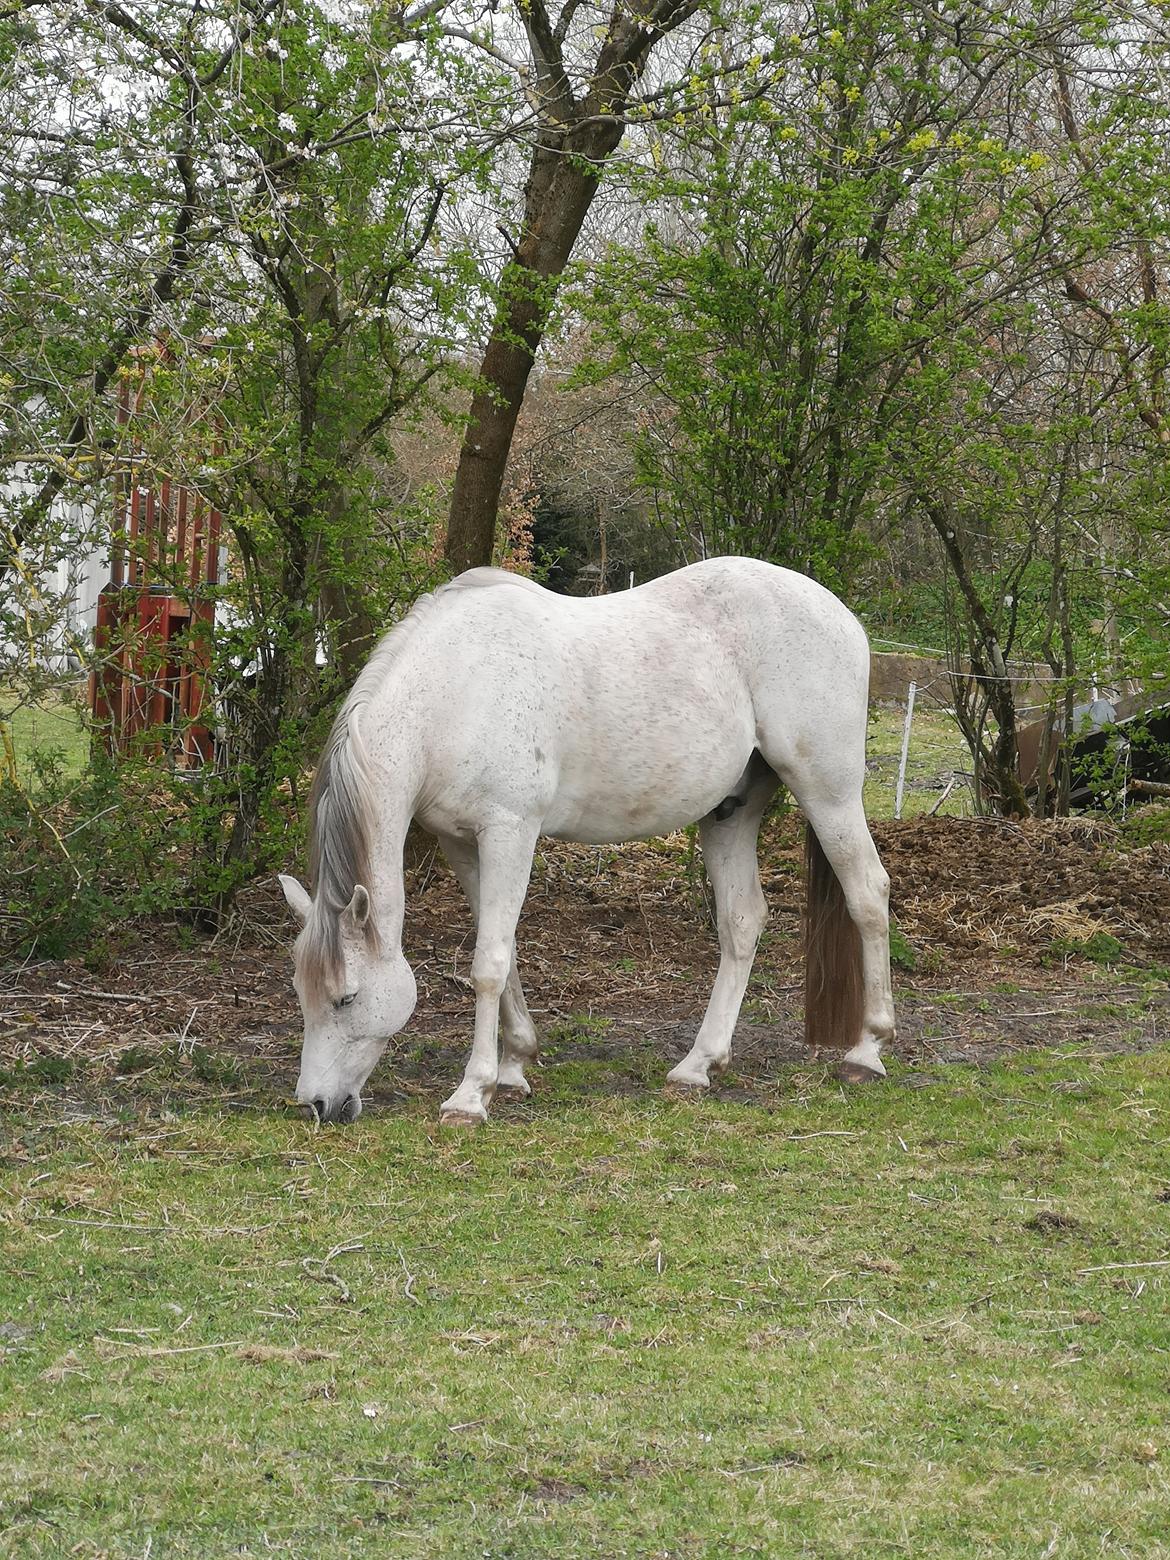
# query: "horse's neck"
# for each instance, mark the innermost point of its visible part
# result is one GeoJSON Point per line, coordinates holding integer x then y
{"type": "Point", "coordinates": [399, 762]}
{"type": "Point", "coordinates": [395, 808]}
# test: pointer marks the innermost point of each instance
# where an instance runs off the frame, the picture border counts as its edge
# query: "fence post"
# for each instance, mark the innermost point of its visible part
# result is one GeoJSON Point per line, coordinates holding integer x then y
{"type": "Point", "coordinates": [905, 750]}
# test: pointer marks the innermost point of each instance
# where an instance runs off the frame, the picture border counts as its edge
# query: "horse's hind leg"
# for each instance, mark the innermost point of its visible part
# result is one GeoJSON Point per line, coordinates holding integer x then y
{"type": "Point", "coordinates": [518, 1042]}
{"type": "Point", "coordinates": [505, 863]}
{"type": "Point", "coordinates": [729, 854]}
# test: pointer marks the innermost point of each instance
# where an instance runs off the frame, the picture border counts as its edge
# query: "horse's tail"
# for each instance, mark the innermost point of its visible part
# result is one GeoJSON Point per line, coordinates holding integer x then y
{"type": "Point", "coordinates": [832, 957]}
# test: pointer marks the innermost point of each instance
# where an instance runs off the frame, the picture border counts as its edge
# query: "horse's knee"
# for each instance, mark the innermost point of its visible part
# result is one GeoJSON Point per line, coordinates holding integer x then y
{"type": "Point", "coordinates": [489, 970]}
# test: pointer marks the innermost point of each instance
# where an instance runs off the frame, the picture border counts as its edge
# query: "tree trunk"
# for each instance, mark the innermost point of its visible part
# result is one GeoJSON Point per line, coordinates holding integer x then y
{"type": "Point", "coordinates": [344, 606]}
{"type": "Point", "coordinates": [581, 126]}
{"type": "Point", "coordinates": [996, 761]}
{"type": "Point", "coordinates": [562, 182]}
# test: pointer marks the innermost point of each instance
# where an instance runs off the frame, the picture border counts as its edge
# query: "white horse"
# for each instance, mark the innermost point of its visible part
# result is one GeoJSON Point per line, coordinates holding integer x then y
{"type": "Point", "coordinates": [496, 712]}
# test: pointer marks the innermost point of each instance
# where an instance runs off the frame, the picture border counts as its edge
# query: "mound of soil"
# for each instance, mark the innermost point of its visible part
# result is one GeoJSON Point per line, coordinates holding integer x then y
{"type": "Point", "coordinates": [974, 887]}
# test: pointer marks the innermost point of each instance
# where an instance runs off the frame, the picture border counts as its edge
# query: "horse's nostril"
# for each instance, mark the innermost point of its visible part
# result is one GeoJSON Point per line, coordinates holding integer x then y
{"type": "Point", "coordinates": [348, 1111]}
{"type": "Point", "coordinates": [318, 1108]}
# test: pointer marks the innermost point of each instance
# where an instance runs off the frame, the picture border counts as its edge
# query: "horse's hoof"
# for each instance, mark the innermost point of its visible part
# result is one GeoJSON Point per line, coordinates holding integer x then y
{"type": "Point", "coordinates": [511, 1083]}
{"type": "Point", "coordinates": [854, 1072]}
{"type": "Point", "coordinates": [460, 1118]}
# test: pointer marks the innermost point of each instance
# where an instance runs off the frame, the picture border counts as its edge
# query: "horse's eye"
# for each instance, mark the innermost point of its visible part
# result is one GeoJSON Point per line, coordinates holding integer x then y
{"type": "Point", "coordinates": [346, 1001]}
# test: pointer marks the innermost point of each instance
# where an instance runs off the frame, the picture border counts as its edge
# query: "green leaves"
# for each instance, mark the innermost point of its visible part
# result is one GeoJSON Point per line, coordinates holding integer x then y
{"type": "Point", "coordinates": [249, 221]}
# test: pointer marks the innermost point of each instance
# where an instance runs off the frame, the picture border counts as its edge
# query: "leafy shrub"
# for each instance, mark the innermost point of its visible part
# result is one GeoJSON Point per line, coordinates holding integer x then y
{"type": "Point", "coordinates": [134, 1059]}
{"type": "Point", "coordinates": [52, 1069]}
{"type": "Point", "coordinates": [218, 1068]}
{"type": "Point", "coordinates": [1148, 825]}
{"type": "Point", "coordinates": [43, 1069]}
{"type": "Point", "coordinates": [81, 855]}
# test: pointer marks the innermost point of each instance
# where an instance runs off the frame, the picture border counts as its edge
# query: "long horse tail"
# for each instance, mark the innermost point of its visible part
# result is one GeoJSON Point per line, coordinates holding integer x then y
{"type": "Point", "coordinates": [832, 957]}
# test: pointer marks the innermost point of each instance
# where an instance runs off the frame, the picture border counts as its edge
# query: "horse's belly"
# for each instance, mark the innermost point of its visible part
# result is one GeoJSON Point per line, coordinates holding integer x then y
{"type": "Point", "coordinates": [627, 791]}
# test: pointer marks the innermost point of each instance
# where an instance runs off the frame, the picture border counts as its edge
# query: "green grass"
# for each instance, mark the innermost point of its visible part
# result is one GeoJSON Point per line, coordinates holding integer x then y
{"type": "Point", "coordinates": [898, 1321]}
{"type": "Point", "coordinates": [53, 726]}
{"type": "Point", "coordinates": [936, 747]}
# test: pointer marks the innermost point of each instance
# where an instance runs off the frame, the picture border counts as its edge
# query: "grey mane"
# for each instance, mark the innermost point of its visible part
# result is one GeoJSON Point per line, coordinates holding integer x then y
{"type": "Point", "coordinates": [343, 799]}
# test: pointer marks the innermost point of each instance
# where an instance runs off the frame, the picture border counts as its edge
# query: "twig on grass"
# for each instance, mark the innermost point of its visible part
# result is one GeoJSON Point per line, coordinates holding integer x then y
{"type": "Point", "coordinates": [83, 1036]}
{"type": "Point", "coordinates": [1107, 1267]}
{"type": "Point", "coordinates": [66, 990]}
{"type": "Point", "coordinates": [190, 1348]}
{"type": "Point", "coordinates": [184, 1046]}
{"type": "Point", "coordinates": [951, 783]}
{"type": "Point", "coordinates": [323, 1275]}
{"type": "Point", "coordinates": [408, 1287]}
{"type": "Point", "coordinates": [154, 1229]}
{"type": "Point", "coordinates": [358, 1478]}
{"type": "Point", "coordinates": [792, 1460]}
{"type": "Point", "coordinates": [886, 1317]}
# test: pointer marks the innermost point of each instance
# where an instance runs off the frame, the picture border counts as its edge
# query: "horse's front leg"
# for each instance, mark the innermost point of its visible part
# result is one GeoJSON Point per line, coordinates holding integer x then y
{"type": "Point", "coordinates": [505, 864]}
{"type": "Point", "coordinates": [518, 1042]}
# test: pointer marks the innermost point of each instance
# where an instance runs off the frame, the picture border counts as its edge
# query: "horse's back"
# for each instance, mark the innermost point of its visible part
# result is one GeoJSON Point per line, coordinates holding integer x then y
{"type": "Point", "coordinates": [624, 715]}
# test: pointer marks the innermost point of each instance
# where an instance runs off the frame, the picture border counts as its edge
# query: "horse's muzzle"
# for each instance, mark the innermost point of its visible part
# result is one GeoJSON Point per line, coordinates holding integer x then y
{"type": "Point", "coordinates": [344, 1110]}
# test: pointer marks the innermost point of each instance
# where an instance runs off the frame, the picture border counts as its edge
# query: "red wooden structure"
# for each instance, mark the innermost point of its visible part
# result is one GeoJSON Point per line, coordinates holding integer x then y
{"type": "Point", "coordinates": [149, 688]}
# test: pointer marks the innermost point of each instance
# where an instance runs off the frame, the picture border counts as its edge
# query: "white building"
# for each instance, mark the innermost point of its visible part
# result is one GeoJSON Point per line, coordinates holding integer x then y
{"type": "Point", "coordinates": [51, 611]}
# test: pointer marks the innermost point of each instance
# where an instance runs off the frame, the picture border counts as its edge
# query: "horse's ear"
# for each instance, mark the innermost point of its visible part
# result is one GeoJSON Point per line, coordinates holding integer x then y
{"type": "Point", "coordinates": [358, 908]}
{"type": "Point", "coordinates": [298, 900]}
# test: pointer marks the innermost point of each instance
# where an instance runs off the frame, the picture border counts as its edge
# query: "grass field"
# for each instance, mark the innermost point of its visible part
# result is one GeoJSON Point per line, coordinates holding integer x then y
{"type": "Point", "coordinates": [913, 1321]}
{"type": "Point", "coordinates": [54, 726]}
{"type": "Point", "coordinates": [936, 749]}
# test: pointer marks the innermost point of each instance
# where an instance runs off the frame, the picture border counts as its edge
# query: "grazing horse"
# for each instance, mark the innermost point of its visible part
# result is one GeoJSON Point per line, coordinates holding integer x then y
{"type": "Point", "coordinates": [496, 712]}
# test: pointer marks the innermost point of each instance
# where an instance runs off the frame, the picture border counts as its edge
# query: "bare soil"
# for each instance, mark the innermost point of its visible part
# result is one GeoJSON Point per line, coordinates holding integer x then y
{"type": "Point", "coordinates": [1020, 935]}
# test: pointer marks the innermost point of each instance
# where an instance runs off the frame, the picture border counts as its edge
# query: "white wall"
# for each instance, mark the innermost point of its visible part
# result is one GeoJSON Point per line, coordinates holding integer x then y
{"type": "Point", "coordinates": [68, 589]}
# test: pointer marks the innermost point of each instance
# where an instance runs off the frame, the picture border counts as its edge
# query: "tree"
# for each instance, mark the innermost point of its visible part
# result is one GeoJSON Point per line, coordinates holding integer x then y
{"type": "Point", "coordinates": [580, 79]}
{"type": "Point", "coordinates": [792, 272]}
{"type": "Point", "coordinates": [313, 160]}
{"type": "Point", "coordinates": [851, 309]}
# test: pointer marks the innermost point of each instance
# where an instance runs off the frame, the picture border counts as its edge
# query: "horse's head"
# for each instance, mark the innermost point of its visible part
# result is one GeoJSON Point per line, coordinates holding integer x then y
{"type": "Point", "coordinates": [352, 1004]}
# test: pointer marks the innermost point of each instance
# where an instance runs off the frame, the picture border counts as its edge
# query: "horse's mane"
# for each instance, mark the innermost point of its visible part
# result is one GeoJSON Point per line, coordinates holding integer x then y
{"type": "Point", "coordinates": [343, 798]}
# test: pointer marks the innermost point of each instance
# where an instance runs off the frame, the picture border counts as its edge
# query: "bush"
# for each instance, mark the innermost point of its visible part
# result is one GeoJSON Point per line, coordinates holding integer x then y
{"type": "Point", "coordinates": [1101, 948]}
{"type": "Point", "coordinates": [82, 855]}
{"type": "Point", "coordinates": [1147, 825]}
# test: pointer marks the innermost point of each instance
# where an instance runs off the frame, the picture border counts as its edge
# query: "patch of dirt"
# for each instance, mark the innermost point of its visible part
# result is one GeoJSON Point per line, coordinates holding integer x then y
{"type": "Point", "coordinates": [556, 1490]}
{"type": "Point", "coordinates": [618, 954]}
{"type": "Point", "coordinates": [978, 887]}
